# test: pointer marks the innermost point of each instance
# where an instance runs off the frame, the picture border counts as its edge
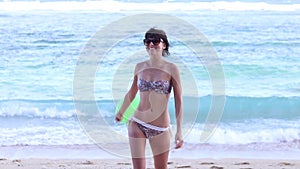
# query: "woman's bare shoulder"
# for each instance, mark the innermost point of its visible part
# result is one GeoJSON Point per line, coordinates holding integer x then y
{"type": "Point", "coordinates": [140, 66]}
{"type": "Point", "coordinates": [171, 66]}
{"type": "Point", "coordinates": [141, 63]}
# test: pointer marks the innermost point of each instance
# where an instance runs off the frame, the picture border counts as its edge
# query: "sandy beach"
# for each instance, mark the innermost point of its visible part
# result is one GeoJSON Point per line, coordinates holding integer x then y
{"type": "Point", "coordinates": [126, 163]}
{"type": "Point", "coordinates": [93, 157]}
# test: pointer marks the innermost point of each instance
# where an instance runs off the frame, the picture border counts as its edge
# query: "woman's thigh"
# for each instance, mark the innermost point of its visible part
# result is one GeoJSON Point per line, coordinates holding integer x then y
{"type": "Point", "coordinates": [137, 140]}
{"type": "Point", "coordinates": [160, 146]}
{"type": "Point", "coordinates": [160, 143]}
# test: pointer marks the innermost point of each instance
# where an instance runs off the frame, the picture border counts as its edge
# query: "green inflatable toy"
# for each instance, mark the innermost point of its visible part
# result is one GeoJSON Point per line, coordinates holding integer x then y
{"type": "Point", "coordinates": [130, 110]}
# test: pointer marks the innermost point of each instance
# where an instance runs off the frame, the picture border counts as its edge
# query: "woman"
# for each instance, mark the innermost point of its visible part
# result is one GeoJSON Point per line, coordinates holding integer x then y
{"type": "Point", "coordinates": [154, 78]}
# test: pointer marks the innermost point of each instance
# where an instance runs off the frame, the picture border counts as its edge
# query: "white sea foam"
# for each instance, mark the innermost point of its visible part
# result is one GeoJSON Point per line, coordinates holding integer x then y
{"type": "Point", "coordinates": [12, 110]}
{"type": "Point", "coordinates": [29, 131]}
{"type": "Point", "coordinates": [251, 132]}
{"type": "Point", "coordinates": [115, 6]}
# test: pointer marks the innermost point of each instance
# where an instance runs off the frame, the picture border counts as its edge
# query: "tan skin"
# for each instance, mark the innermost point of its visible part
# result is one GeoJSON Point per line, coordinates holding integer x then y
{"type": "Point", "coordinates": [153, 109]}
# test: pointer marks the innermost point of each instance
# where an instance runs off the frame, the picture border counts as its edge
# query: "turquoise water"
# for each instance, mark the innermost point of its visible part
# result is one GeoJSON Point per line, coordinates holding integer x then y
{"type": "Point", "coordinates": [259, 51]}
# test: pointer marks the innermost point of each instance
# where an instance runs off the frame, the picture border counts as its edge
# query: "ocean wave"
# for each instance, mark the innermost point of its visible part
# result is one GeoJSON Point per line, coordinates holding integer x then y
{"type": "Point", "coordinates": [236, 108]}
{"type": "Point", "coordinates": [241, 108]}
{"type": "Point", "coordinates": [248, 132]}
{"type": "Point", "coordinates": [245, 121]}
{"type": "Point", "coordinates": [37, 109]}
{"type": "Point", "coordinates": [257, 44]}
{"type": "Point", "coordinates": [251, 133]}
{"type": "Point", "coordinates": [117, 6]}
{"type": "Point", "coordinates": [28, 131]}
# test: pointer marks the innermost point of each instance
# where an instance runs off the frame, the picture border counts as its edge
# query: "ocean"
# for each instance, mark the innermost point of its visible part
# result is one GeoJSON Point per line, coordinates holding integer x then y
{"type": "Point", "coordinates": [256, 43]}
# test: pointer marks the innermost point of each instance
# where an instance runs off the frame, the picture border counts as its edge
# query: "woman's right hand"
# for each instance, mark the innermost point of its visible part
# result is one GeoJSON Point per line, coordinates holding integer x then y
{"type": "Point", "coordinates": [118, 117]}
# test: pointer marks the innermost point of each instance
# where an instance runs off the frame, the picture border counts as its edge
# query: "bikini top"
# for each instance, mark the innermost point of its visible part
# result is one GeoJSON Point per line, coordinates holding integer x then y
{"type": "Point", "coordinates": [159, 86]}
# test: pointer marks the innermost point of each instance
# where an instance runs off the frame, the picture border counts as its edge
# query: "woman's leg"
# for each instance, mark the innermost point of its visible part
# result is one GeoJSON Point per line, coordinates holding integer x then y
{"type": "Point", "coordinates": [137, 141]}
{"type": "Point", "coordinates": [160, 146]}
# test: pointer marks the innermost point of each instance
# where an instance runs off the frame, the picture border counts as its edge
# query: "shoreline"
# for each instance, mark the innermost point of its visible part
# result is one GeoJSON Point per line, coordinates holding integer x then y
{"type": "Point", "coordinates": [204, 163]}
{"type": "Point", "coordinates": [92, 157]}
{"type": "Point", "coordinates": [189, 152]}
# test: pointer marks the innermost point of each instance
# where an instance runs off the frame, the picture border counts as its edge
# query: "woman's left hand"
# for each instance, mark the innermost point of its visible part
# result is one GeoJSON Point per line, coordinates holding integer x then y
{"type": "Point", "coordinates": [178, 140]}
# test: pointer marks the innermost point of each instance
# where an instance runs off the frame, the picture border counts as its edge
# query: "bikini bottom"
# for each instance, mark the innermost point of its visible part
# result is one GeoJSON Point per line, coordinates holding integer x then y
{"type": "Point", "coordinates": [148, 129]}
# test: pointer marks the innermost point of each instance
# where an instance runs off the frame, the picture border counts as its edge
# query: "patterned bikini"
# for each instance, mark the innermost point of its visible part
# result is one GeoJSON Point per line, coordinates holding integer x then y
{"type": "Point", "coordinates": [162, 87]}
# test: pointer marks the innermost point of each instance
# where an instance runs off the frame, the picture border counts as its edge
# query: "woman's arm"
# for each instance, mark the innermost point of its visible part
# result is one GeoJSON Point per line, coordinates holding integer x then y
{"type": "Point", "coordinates": [127, 99]}
{"type": "Point", "coordinates": [178, 105]}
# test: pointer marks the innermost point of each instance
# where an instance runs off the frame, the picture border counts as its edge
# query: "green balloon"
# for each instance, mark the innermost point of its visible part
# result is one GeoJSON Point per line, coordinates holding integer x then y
{"type": "Point", "coordinates": [130, 110]}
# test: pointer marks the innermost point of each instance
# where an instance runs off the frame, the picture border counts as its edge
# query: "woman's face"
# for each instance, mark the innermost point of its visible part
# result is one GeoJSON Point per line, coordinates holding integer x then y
{"type": "Point", "coordinates": [154, 46]}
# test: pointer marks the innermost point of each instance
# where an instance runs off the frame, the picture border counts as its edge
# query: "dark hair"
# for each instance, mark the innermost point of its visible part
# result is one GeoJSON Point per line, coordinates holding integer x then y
{"type": "Point", "coordinates": [158, 33]}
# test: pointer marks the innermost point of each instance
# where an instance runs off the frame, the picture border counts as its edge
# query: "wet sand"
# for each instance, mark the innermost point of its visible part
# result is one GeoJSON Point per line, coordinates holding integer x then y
{"type": "Point", "coordinates": [233, 163]}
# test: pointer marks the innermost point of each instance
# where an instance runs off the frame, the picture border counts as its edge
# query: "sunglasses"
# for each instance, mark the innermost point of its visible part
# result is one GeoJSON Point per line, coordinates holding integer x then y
{"type": "Point", "coordinates": [154, 41]}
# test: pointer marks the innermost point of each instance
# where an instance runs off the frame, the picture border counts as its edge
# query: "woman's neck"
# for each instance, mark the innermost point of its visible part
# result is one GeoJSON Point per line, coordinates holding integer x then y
{"type": "Point", "coordinates": [155, 60]}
